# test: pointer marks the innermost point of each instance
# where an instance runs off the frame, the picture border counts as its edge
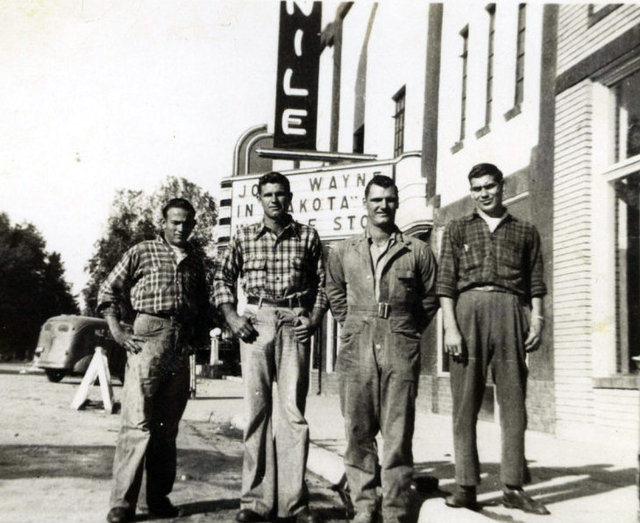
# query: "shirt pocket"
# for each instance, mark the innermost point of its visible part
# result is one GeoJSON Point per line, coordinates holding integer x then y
{"type": "Point", "coordinates": [255, 271]}
{"type": "Point", "coordinates": [255, 264]}
{"type": "Point", "coordinates": [470, 257]}
{"type": "Point", "coordinates": [294, 277]}
{"type": "Point", "coordinates": [509, 258]}
{"type": "Point", "coordinates": [152, 278]}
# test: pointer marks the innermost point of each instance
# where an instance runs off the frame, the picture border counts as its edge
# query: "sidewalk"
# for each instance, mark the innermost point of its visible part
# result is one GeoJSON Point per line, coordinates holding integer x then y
{"type": "Point", "coordinates": [579, 482]}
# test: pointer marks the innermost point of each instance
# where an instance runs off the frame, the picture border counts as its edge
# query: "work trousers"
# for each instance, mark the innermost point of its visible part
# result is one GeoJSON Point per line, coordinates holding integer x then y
{"type": "Point", "coordinates": [275, 446]}
{"type": "Point", "coordinates": [155, 394]}
{"type": "Point", "coordinates": [379, 367]}
{"type": "Point", "coordinates": [494, 326]}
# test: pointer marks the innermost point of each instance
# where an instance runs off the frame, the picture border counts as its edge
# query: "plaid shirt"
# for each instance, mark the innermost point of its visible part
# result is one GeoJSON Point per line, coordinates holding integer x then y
{"type": "Point", "coordinates": [273, 267]}
{"type": "Point", "coordinates": [472, 256]}
{"type": "Point", "coordinates": [150, 277]}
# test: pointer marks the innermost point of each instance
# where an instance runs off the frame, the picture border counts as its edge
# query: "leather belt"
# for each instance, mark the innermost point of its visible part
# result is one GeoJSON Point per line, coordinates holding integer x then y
{"type": "Point", "coordinates": [381, 310]}
{"type": "Point", "coordinates": [290, 303]}
{"type": "Point", "coordinates": [490, 288]}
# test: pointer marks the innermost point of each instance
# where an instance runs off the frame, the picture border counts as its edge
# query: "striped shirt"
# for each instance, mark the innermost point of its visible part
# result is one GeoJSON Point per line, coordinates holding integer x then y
{"type": "Point", "coordinates": [149, 275]}
{"type": "Point", "coordinates": [472, 256]}
{"type": "Point", "coordinates": [273, 266]}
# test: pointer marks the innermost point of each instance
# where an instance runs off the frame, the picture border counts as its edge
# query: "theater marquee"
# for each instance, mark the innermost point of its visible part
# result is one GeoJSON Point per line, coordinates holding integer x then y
{"type": "Point", "coordinates": [329, 199]}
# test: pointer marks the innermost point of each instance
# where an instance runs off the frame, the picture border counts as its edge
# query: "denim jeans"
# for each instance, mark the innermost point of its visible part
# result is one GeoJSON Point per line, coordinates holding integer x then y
{"type": "Point", "coordinates": [493, 326]}
{"type": "Point", "coordinates": [275, 446]}
{"type": "Point", "coordinates": [155, 394]}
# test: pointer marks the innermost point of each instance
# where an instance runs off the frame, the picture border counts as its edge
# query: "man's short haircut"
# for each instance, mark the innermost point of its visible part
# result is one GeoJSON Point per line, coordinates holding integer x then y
{"type": "Point", "coordinates": [179, 203]}
{"type": "Point", "coordinates": [274, 177]}
{"type": "Point", "coordinates": [484, 169]}
{"type": "Point", "coordinates": [381, 181]}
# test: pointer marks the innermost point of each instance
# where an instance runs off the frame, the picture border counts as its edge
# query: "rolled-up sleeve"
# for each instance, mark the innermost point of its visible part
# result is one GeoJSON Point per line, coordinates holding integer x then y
{"type": "Point", "coordinates": [537, 285]}
{"type": "Point", "coordinates": [446, 283]}
{"type": "Point", "coordinates": [320, 302]}
{"type": "Point", "coordinates": [113, 290]}
{"type": "Point", "coordinates": [336, 287]}
{"type": "Point", "coordinates": [226, 274]}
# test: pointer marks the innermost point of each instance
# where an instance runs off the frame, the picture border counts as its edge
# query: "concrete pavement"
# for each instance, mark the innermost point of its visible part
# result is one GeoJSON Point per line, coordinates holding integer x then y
{"type": "Point", "coordinates": [579, 482]}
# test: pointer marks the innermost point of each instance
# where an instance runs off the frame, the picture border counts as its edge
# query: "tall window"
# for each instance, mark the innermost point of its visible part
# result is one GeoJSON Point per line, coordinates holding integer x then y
{"type": "Point", "coordinates": [627, 271]}
{"type": "Point", "coordinates": [522, 27]}
{"type": "Point", "coordinates": [398, 134]}
{"type": "Point", "coordinates": [463, 101]}
{"type": "Point", "coordinates": [627, 132]}
{"type": "Point", "coordinates": [491, 10]}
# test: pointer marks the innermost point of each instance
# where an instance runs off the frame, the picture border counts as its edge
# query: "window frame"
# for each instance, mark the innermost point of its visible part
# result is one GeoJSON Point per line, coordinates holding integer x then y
{"type": "Point", "coordinates": [400, 101]}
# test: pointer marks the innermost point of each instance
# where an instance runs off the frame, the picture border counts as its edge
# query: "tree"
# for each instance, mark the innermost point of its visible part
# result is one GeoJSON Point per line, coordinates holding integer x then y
{"type": "Point", "coordinates": [136, 216]}
{"type": "Point", "coordinates": [32, 288]}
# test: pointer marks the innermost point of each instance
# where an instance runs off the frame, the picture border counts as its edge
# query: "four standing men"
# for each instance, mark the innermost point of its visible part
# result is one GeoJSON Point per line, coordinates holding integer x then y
{"type": "Point", "coordinates": [382, 289]}
{"type": "Point", "coordinates": [164, 281]}
{"type": "Point", "coordinates": [490, 269]}
{"type": "Point", "coordinates": [279, 262]}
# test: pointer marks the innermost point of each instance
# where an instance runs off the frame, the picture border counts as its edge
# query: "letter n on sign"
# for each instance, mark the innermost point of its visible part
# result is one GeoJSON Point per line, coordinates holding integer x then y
{"type": "Point", "coordinates": [297, 84]}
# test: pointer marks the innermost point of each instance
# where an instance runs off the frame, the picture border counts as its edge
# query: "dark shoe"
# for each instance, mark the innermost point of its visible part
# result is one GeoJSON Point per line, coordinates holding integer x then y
{"type": "Point", "coordinates": [516, 498]}
{"type": "Point", "coordinates": [463, 498]}
{"type": "Point", "coordinates": [164, 509]}
{"type": "Point", "coordinates": [120, 515]}
{"type": "Point", "coordinates": [424, 484]}
{"type": "Point", "coordinates": [248, 515]}
{"type": "Point", "coordinates": [306, 516]}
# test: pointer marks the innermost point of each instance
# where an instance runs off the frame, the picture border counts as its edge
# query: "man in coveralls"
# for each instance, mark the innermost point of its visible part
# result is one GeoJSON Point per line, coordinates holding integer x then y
{"type": "Point", "coordinates": [490, 270]}
{"type": "Point", "coordinates": [381, 288]}
{"type": "Point", "coordinates": [279, 262]}
{"type": "Point", "coordinates": [164, 281]}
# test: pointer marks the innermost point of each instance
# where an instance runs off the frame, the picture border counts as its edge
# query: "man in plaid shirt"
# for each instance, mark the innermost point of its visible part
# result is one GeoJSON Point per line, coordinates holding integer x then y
{"type": "Point", "coordinates": [279, 263]}
{"type": "Point", "coordinates": [490, 272]}
{"type": "Point", "coordinates": [164, 281]}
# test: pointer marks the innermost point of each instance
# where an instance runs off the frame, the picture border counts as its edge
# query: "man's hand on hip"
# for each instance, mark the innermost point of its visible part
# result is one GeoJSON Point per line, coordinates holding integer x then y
{"type": "Point", "coordinates": [130, 342]}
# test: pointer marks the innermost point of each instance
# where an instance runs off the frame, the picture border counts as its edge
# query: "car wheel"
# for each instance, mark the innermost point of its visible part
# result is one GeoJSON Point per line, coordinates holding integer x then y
{"type": "Point", "coordinates": [54, 375]}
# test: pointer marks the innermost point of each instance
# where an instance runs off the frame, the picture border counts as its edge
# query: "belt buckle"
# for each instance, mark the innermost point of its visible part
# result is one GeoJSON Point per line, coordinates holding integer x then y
{"type": "Point", "coordinates": [383, 310]}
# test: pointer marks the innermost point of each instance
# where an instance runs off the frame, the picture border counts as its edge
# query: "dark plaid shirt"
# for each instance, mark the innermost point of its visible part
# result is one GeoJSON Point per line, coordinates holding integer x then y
{"type": "Point", "coordinates": [149, 276]}
{"type": "Point", "coordinates": [472, 256]}
{"type": "Point", "coordinates": [274, 267]}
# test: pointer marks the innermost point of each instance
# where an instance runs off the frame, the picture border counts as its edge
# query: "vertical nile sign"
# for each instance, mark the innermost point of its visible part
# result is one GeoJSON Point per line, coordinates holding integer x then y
{"type": "Point", "coordinates": [297, 84]}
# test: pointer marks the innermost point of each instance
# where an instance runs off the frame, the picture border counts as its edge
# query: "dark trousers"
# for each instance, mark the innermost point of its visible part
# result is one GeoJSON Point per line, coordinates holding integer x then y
{"type": "Point", "coordinates": [378, 386]}
{"type": "Point", "coordinates": [155, 394]}
{"type": "Point", "coordinates": [494, 326]}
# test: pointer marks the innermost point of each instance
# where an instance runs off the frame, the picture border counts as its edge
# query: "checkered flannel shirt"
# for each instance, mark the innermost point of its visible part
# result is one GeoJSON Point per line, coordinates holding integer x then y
{"type": "Point", "coordinates": [149, 276]}
{"type": "Point", "coordinates": [472, 256]}
{"type": "Point", "coordinates": [274, 267]}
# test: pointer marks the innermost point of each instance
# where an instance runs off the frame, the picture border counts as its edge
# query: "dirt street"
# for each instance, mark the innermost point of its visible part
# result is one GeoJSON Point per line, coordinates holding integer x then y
{"type": "Point", "coordinates": [55, 462]}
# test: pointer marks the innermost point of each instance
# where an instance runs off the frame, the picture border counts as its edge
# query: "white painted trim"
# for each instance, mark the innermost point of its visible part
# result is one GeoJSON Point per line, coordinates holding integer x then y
{"type": "Point", "coordinates": [516, 198]}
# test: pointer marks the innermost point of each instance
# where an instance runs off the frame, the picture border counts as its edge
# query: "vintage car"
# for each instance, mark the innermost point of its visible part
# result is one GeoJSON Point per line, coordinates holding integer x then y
{"type": "Point", "coordinates": [67, 343]}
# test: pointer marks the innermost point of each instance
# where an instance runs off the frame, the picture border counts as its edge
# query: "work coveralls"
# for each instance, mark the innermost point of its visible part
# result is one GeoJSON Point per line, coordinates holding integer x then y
{"type": "Point", "coordinates": [379, 362]}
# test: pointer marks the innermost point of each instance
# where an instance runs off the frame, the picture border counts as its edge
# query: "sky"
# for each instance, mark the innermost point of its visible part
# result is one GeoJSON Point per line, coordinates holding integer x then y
{"type": "Point", "coordinates": [97, 96]}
